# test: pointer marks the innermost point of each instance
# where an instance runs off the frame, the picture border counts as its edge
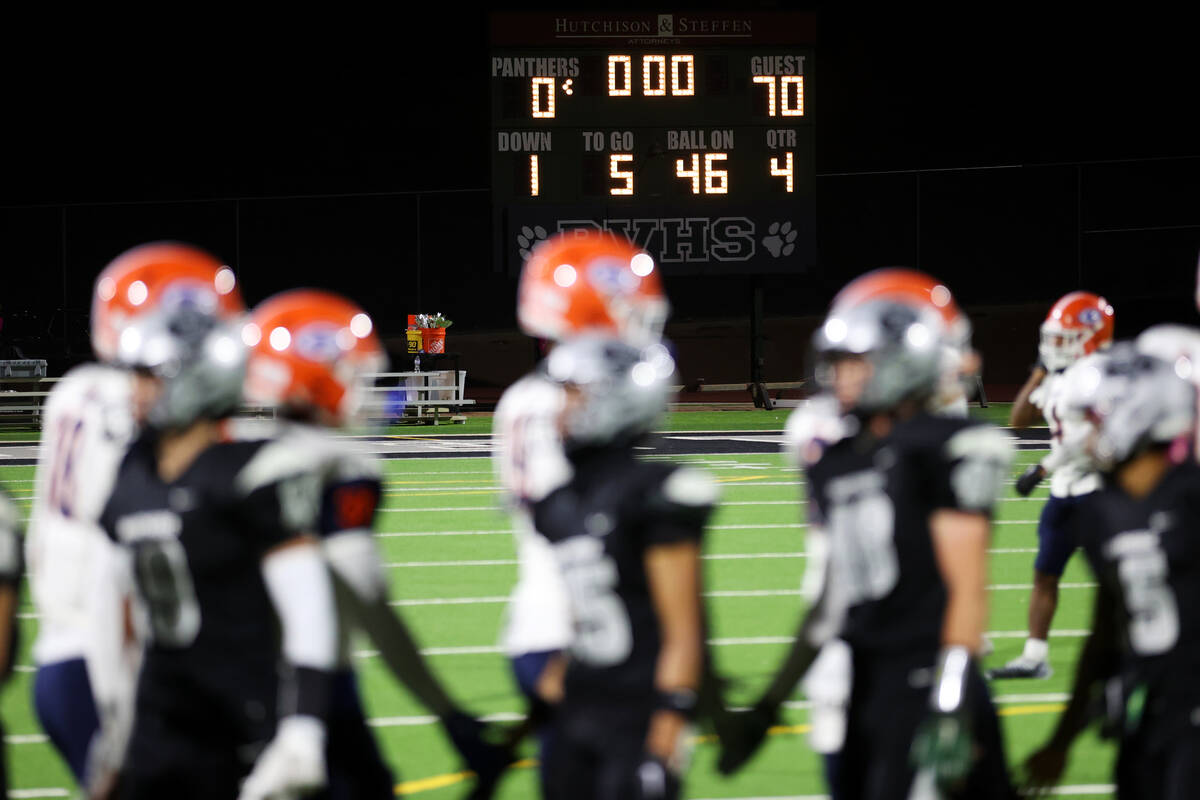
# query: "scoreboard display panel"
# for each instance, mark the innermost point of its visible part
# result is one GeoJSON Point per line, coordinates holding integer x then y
{"type": "Point", "coordinates": [690, 133]}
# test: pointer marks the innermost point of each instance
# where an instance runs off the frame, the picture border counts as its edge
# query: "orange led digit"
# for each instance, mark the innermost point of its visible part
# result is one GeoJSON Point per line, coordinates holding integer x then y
{"type": "Point", "coordinates": [533, 176]}
{"type": "Point", "coordinates": [693, 173]}
{"type": "Point", "coordinates": [716, 181]}
{"type": "Point", "coordinates": [621, 87]}
{"type": "Point", "coordinates": [614, 162]}
{"type": "Point", "coordinates": [654, 76]}
{"type": "Point", "coordinates": [769, 80]}
{"type": "Point", "coordinates": [796, 109]}
{"type": "Point", "coordinates": [687, 87]}
{"type": "Point", "coordinates": [785, 172]}
{"type": "Point", "coordinates": [540, 112]}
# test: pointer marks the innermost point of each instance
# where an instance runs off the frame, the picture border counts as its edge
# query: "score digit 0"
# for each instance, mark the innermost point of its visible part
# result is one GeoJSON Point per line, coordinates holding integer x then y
{"type": "Point", "coordinates": [791, 103]}
{"type": "Point", "coordinates": [682, 76]}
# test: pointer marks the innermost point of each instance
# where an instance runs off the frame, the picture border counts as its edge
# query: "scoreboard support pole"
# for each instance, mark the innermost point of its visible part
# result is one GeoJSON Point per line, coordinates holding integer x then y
{"type": "Point", "coordinates": [762, 399]}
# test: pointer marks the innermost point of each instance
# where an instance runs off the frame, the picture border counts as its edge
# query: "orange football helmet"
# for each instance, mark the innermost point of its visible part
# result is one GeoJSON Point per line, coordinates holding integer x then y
{"type": "Point", "coordinates": [1078, 324]}
{"type": "Point", "coordinates": [911, 287]}
{"type": "Point", "coordinates": [310, 351]}
{"type": "Point", "coordinates": [591, 281]}
{"type": "Point", "coordinates": [156, 277]}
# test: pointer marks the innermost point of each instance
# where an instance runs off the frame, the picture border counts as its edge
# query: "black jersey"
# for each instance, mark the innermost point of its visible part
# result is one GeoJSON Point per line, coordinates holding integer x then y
{"type": "Point", "coordinates": [197, 545]}
{"type": "Point", "coordinates": [601, 524]}
{"type": "Point", "coordinates": [874, 498]}
{"type": "Point", "coordinates": [1145, 555]}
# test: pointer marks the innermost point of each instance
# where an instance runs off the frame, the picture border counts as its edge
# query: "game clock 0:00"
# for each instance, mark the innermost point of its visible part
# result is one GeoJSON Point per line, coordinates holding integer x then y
{"type": "Point", "coordinates": [696, 139]}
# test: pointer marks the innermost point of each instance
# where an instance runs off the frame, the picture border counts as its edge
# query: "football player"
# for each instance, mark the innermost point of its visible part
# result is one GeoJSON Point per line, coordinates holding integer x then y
{"type": "Point", "coordinates": [312, 358]}
{"type": "Point", "coordinates": [904, 497]}
{"type": "Point", "coordinates": [819, 423]}
{"type": "Point", "coordinates": [219, 540]}
{"type": "Point", "coordinates": [1078, 324]}
{"type": "Point", "coordinates": [626, 534]}
{"type": "Point", "coordinates": [1138, 533]}
{"type": "Point", "coordinates": [86, 659]}
{"type": "Point", "coordinates": [10, 578]}
{"type": "Point", "coordinates": [574, 283]}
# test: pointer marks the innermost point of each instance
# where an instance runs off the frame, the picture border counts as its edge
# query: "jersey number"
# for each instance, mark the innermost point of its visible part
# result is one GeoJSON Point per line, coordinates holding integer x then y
{"type": "Point", "coordinates": [603, 633]}
{"type": "Point", "coordinates": [166, 586]}
{"type": "Point", "coordinates": [1153, 614]}
{"type": "Point", "coordinates": [864, 554]}
{"type": "Point", "coordinates": [62, 477]}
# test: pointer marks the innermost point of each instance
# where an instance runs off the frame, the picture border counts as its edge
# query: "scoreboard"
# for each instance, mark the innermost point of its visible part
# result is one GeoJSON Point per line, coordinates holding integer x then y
{"type": "Point", "coordinates": [692, 134]}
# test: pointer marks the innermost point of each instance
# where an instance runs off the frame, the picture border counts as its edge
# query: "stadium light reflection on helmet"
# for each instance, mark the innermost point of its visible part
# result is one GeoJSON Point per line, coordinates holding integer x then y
{"type": "Point", "coordinates": [564, 275]}
{"type": "Point", "coordinates": [224, 280]}
{"type": "Point", "coordinates": [251, 334]}
{"type": "Point", "coordinates": [280, 338]}
{"type": "Point", "coordinates": [360, 325]}
{"type": "Point", "coordinates": [642, 265]}
{"type": "Point", "coordinates": [836, 330]}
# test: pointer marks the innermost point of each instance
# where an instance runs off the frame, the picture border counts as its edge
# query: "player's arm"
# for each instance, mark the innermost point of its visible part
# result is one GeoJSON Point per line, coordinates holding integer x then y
{"type": "Point", "coordinates": [677, 513]}
{"type": "Point", "coordinates": [278, 503]}
{"type": "Point", "coordinates": [673, 575]}
{"type": "Point", "coordinates": [1097, 661]}
{"type": "Point", "coordinates": [968, 478]}
{"type": "Point", "coordinates": [1024, 413]}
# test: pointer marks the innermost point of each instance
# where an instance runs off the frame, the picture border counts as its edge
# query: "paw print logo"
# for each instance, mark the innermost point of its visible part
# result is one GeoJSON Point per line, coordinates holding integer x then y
{"type": "Point", "coordinates": [528, 237]}
{"type": "Point", "coordinates": [780, 239]}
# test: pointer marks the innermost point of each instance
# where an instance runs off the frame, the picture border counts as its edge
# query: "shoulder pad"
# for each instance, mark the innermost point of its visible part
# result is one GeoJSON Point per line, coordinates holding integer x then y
{"type": "Point", "coordinates": [811, 428]}
{"type": "Point", "coordinates": [982, 457]}
{"type": "Point", "coordinates": [687, 486]}
{"type": "Point", "coordinates": [275, 460]}
{"type": "Point", "coordinates": [532, 394]}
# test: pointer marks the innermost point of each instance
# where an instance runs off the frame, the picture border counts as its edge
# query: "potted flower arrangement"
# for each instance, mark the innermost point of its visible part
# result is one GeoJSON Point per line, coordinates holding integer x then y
{"type": "Point", "coordinates": [433, 331]}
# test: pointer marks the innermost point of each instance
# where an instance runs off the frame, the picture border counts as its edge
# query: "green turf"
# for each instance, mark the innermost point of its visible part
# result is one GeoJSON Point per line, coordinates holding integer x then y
{"type": "Point", "coordinates": [421, 756]}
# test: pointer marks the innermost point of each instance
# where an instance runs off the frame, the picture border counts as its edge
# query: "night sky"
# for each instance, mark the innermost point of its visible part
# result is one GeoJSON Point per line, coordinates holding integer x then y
{"type": "Point", "coordinates": [223, 107]}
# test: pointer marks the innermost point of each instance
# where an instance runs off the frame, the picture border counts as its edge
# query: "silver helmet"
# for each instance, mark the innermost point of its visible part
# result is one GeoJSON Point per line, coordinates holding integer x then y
{"type": "Point", "coordinates": [622, 390]}
{"type": "Point", "coordinates": [199, 358]}
{"type": "Point", "coordinates": [903, 343]}
{"type": "Point", "coordinates": [1133, 399]}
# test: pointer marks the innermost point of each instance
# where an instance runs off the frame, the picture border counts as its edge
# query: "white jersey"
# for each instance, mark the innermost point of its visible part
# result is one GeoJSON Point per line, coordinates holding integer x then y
{"type": "Point", "coordinates": [530, 463]}
{"type": "Point", "coordinates": [1070, 474]}
{"type": "Point", "coordinates": [1176, 344]}
{"type": "Point", "coordinates": [88, 424]}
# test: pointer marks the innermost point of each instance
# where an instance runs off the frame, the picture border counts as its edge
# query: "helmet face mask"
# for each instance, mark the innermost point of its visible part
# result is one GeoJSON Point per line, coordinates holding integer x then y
{"type": "Point", "coordinates": [899, 348]}
{"type": "Point", "coordinates": [170, 311]}
{"type": "Point", "coordinates": [615, 392]}
{"type": "Point", "coordinates": [589, 282]}
{"type": "Point", "coordinates": [1078, 324]}
{"type": "Point", "coordinates": [1132, 400]}
{"type": "Point", "coordinates": [314, 355]}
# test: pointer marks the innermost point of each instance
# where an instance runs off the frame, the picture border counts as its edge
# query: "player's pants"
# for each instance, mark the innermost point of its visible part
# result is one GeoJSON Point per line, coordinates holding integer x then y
{"type": "Point", "coordinates": [1056, 543]}
{"type": "Point", "coordinates": [1170, 771]}
{"type": "Point", "coordinates": [356, 769]}
{"type": "Point", "coordinates": [889, 700]}
{"type": "Point", "coordinates": [527, 668]}
{"type": "Point", "coordinates": [62, 698]}
{"type": "Point", "coordinates": [596, 754]}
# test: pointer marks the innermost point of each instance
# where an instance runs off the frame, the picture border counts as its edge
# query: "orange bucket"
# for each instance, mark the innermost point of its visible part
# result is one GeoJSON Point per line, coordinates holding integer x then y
{"type": "Point", "coordinates": [434, 339]}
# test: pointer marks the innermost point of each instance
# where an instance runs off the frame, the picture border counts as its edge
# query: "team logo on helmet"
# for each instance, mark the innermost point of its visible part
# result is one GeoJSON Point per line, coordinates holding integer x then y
{"type": "Point", "coordinates": [1090, 317]}
{"type": "Point", "coordinates": [190, 296]}
{"type": "Point", "coordinates": [612, 276]}
{"type": "Point", "coordinates": [318, 342]}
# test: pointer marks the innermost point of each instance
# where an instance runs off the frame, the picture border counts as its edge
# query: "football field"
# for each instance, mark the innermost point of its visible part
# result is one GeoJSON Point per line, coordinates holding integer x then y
{"type": "Point", "coordinates": [450, 556]}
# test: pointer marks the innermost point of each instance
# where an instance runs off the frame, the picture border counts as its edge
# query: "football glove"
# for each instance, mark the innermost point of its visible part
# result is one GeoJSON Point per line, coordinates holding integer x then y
{"type": "Point", "coordinates": [485, 758]}
{"type": "Point", "coordinates": [943, 746]}
{"type": "Point", "coordinates": [741, 734]}
{"type": "Point", "coordinates": [1029, 479]}
{"type": "Point", "coordinates": [292, 764]}
{"type": "Point", "coordinates": [654, 780]}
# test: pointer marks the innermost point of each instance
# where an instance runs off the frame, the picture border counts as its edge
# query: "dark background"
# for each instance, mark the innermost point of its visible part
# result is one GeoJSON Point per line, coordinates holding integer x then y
{"type": "Point", "coordinates": [1015, 154]}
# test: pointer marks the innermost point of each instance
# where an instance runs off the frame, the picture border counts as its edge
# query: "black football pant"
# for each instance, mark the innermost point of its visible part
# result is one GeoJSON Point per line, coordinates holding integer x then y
{"type": "Point", "coordinates": [889, 700]}
{"type": "Point", "coordinates": [596, 754]}
{"type": "Point", "coordinates": [1168, 771]}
